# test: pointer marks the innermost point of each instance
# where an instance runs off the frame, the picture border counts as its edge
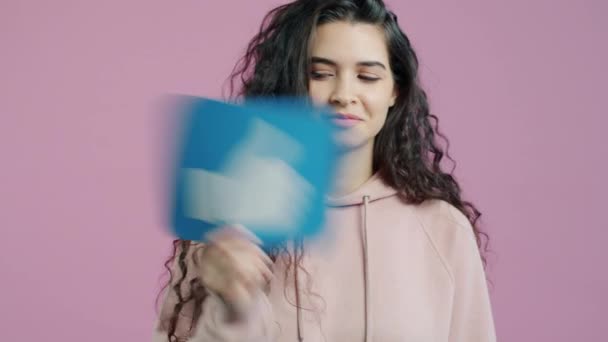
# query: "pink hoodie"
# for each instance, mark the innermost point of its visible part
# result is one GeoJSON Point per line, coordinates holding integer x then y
{"type": "Point", "coordinates": [382, 271]}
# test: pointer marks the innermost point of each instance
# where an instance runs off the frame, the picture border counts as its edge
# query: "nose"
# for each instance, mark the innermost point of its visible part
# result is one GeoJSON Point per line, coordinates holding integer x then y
{"type": "Point", "coordinates": [343, 93]}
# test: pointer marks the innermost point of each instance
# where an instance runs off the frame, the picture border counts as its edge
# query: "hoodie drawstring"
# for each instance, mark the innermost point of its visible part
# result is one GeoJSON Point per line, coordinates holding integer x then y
{"type": "Point", "coordinates": [366, 276]}
{"type": "Point", "coordinates": [297, 290]}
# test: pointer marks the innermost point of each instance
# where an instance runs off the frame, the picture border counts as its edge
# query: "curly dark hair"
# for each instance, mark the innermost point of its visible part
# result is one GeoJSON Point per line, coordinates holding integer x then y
{"type": "Point", "coordinates": [407, 152]}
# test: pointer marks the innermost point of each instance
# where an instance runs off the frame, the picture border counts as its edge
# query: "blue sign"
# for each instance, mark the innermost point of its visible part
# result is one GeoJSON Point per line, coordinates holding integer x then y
{"type": "Point", "coordinates": [266, 164]}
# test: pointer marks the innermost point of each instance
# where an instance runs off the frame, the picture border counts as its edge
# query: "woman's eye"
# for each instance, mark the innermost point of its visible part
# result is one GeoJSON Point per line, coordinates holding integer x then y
{"type": "Point", "coordinates": [319, 75]}
{"type": "Point", "coordinates": [322, 75]}
{"type": "Point", "coordinates": [368, 78]}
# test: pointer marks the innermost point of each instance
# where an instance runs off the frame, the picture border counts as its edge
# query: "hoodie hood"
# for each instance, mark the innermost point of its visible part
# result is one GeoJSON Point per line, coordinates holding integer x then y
{"type": "Point", "coordinates": [374, 189]}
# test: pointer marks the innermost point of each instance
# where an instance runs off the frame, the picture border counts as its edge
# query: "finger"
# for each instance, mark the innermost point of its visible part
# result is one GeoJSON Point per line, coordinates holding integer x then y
{"type": "Point", "coordinates": [245, 269]}
{"type": "Point", "coordinates": [255, 273]}
{"type": "Point", "coordinates": [231, 242]}
{"type": "Point", "coordinates": [240, 233]}
{"type": "Point", "coordinates": [254, 250]}
{"type": "Point", "coordinates": [258, 277]}
{"type": "Point", "coordinates": [261, 260]}
{"type": "Point", "coordinates": [264, 256]}
{"type": "Point", "coordinates": [264, 271]}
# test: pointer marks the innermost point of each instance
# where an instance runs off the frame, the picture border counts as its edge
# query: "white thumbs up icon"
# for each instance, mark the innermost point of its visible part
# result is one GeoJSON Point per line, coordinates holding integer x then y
{"type": "Point", "coordinates": [255, 187]}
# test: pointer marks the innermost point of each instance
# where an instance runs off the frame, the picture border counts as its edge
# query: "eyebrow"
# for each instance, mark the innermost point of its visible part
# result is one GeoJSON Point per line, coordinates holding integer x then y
{"type": "Point", "coordinates": [321, 60]}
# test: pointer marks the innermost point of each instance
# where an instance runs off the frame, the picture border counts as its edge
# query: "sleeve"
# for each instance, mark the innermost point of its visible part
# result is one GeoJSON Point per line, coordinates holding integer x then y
{"type": "Point", "coordinates": [471, 314]}
{"type": "Point", "coordinates": [212, 326]}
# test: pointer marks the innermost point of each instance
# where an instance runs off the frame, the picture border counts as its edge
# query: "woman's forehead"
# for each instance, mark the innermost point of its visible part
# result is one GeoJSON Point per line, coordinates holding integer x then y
{"type": "Point", "coordinates": [345, 42]}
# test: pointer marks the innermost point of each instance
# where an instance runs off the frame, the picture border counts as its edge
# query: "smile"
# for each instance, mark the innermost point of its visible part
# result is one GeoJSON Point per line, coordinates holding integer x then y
{"type": "Point", "coordinates": [345, 120]}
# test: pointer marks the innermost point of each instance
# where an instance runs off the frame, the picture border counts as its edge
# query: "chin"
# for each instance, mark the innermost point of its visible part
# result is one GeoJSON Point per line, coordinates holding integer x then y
{"type": "Point", "coordinates": [351, 140]}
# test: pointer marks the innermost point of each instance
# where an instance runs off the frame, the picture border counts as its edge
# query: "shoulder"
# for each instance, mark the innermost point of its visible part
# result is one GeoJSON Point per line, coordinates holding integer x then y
{"type": "Point", "coordinates": [439, 217]}
{"type": "Point", "coordinates": [449, 232]}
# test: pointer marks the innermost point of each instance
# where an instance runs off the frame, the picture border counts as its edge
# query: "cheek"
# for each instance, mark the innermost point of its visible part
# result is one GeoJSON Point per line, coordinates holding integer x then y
{"type": "Point", "coordinates": [378, 108]}
{"type": "Point", "coordinates": [317, 94]}
{"type": "Point", "coordinates": [378, 105]}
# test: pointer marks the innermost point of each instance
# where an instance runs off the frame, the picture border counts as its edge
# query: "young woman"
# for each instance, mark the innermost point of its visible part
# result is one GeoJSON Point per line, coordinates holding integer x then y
{"type": "Point", "coordinates": [400, 259]}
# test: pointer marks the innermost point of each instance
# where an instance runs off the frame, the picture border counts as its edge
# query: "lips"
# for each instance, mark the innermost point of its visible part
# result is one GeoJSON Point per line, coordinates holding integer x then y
{"type": "Point", "coordinates": [346, 116]}
{"type": "Point", "coordinates": [346, 119]}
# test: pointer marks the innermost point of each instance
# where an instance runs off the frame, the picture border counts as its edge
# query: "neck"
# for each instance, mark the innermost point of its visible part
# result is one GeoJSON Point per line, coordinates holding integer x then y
{"type": "Point", "coordinates": [354, 168]}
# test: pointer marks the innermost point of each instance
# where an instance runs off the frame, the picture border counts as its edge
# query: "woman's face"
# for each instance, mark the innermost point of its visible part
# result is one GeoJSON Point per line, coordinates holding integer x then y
{"type": "Point", "coordinates": [350, 72]}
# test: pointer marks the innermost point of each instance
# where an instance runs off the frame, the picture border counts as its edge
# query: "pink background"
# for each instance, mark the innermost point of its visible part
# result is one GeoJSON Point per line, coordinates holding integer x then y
{"type": "Point", "coordinates": [520, 87]}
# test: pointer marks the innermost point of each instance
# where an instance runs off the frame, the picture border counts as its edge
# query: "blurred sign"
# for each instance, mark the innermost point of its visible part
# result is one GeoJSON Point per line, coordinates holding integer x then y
{"type": "Point", "coordinates": [266, 164]}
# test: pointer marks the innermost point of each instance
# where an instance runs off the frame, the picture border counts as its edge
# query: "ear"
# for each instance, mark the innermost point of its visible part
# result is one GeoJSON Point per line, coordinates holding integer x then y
{"type": "Point", "coordinates": [394, 96]}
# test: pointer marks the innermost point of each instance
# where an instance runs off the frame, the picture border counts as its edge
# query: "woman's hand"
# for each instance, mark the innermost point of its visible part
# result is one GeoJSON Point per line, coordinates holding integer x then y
{"type": "Point", "coordinates": [233, 266]}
